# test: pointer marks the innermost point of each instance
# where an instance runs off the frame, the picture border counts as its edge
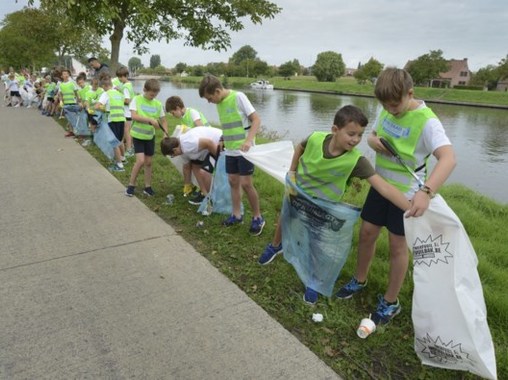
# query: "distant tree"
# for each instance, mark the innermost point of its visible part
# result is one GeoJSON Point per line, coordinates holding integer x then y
{"type": "Point", "coordinates": [180, 67]}
{"type": "Point", "coordinates": [328, 66]}
{"type": "Point", "coordinates": [369, 71]}
{"type": "Point", "coordinates": [289, 68]}
{"type": "Point", "coordinates": [134, 64]}
{"type": "Point", "coordinates": [200, 23]}
{"type": "Point", "coordinates": [486, 76]}
{"type": "Point", "coordinates": [427, 67]}
{"type": "Point", "coordinates": [216, 68]}
{"type": "Point", "coordinates": [246, 52]}
{"type": "Point", "coordinates": [155, 60]}
{"type": "Point", "coordinates": [198, 70]}
{"type": "Point", "coordinates": [502, 69]}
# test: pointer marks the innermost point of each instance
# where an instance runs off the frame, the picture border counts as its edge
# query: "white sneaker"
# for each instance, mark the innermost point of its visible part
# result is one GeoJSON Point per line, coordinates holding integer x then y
{"type": "Point", "coordinates": [16, 106]}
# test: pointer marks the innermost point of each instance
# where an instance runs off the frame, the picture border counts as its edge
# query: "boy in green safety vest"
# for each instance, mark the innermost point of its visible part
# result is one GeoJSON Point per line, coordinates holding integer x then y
{"type": "Point", "coordinates": [189, 118]}
{"type": "Point", "coordinates": [91, 98]}
{"type": "Point", "coordinates": [112, 102]}
{"type": "Point", "coordinates": [125, 87]}
{"type": "Point", "coordinates": [147, 114]}
{"type": "Point", "coordinates": [323, 166]}
{"type": "Point", "coordinates": [240, 123]}
{"type": "Point", "coordinates": [416, 133]}
{"type": "Point", "coordinates": [67, 91]}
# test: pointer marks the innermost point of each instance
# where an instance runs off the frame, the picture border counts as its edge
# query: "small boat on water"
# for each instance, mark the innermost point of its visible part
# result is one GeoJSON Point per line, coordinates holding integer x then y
{"type": "Point", "coordinates": [261, 85]}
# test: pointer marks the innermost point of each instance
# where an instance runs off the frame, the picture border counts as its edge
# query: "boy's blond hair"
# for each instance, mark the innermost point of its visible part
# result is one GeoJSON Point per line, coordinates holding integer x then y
{"type": "Point", "coordinates": [209, 84]}
{"type": "Point", "coordinates": [392, 85]}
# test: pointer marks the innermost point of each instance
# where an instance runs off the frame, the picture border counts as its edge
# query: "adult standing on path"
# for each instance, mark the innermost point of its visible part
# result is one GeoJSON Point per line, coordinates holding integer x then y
{"type": "Point", "coordinates": [98, 67]}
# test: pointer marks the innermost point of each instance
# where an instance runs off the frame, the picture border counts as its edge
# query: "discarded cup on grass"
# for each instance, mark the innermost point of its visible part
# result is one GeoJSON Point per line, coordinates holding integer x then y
{"type": "Point", "coordinates": [170, 198]}
{"type": "Point", "coordinates": [200, 224]}
{"type": "Point", "coordinates": [317, 317]}
{"type": "Point", "coordinates": [367, 327]}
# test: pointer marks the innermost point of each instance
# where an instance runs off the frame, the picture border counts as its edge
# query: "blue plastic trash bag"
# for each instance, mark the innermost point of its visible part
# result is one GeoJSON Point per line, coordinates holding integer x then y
{"type": "Point", "coordinates": [104, 137]}
{"type": "Point", "coordinates": [316, 236]}
{"type": "Point", "coordinates": [81, 128]}
{"type": "Point", "coordinates": [71, 113]}
{"type": "Point", "coordinates": [219, 198]}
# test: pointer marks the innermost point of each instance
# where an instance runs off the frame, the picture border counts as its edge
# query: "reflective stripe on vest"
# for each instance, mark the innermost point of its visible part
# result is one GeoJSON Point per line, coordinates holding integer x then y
{"type": "Point", "coordinates": [404, 134]}
{"type": "Point", "coordinates": [146, 108]}
{"type": "Point", "coordinates": [116, 106]}
{"type": "Point", "coordinates": [67, 90]}
{"type": "Point", "coordinates": [231, 122]}
{"type": "Point", "coordinates": [325, 178]}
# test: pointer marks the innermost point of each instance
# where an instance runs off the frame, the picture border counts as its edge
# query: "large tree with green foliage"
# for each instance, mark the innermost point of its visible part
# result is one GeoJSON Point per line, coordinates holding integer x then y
{"type": "Point", "coordinates": [502, 69]}
{"type": "Point", "coordinates": [204, 24]}
{"type": "Point", "coordinates": [245, 53]}
{"type": "Point", "coordinates": [289, 68]}
{"type": "Point", "coordinates": [155, 60]}
{"type": "Point", "coordinates": [328, 66]}
{"type": "Point", "coordinates": [427, 67]}
{"type": "Point", "coordinates": [134, 64]}
{"type": "Point", "coordinates": [368, 71]}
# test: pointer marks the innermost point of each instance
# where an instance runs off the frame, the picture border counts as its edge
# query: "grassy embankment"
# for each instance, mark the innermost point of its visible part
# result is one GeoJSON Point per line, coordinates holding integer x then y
{"type": "Point", "coordinates": [389, 352]}
{"type": "Point", "coordinates": [349, 86]}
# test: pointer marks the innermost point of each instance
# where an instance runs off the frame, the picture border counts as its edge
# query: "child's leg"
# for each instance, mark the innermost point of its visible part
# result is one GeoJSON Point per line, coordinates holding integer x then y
{"type": "Point", "coordinates": [127, 135]}
{"type": "Point", "coordinates": [277, 235]}
{"type": "Point", "coordinates": [399, 260]}
{"type": "Point", "coordinates": [187, 178]}
{"type": "Point", "coordinates": [366, 248]}
{"type": "Point", "coordinates": [203, 177]}
{"type": "Point", "coordinates": [148, 171]}
{"type": "Point", "coordinates": [236, 193]}
{"type": "Point", "coordinates": [118, 155]}
{"type": "Point", "coordinates": [140, 161]}
{"type": "Point", "coordinates": [252, 194]}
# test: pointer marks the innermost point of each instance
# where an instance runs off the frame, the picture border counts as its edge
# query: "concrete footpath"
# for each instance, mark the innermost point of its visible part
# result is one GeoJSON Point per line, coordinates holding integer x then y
{"type": "Point", "coordinates": [93, 285]}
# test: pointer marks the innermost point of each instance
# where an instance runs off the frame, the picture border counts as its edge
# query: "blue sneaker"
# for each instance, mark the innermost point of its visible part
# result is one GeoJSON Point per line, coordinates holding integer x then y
{"type": "Point", "coordinates": [148, 191]}
{"type": "Point", "coordinates": [256, 226]}
{"type": "Point", "coordinates": [311, 296]}
{"type": "Point", "coordinates": [129, 191]}
{"type": "Point", "coordinates": [352, 287]}
{"type": "Point", "coordinates": [385, 311]}
{"type": "Point", "coordinates": [232, 220]}
{"type": "Point", "coordinates": [269, 254]}
{"type": "Point", "coordinates": [117, 168]}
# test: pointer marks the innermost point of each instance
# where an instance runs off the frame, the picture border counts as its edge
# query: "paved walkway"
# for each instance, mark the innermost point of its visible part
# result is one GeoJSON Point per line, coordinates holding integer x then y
{"type": "Point", "coordinates": [83, 297]}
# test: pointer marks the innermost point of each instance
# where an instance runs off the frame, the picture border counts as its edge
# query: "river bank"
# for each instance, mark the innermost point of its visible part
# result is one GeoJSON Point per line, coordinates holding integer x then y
{"type": "Point", "coordinates": [348, 86]}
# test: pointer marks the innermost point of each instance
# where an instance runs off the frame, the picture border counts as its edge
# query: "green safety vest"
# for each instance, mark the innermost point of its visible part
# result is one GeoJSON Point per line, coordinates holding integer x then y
{"type": "Point", "coordinates": [187, 119]}
{"type": "Point", "coordinates": [83, 91]}
{"type": "Point", "coordinates": [128, 86]}
{"type": "Point", "coordinates": [50, 89]}
{"type": "Point", "coordinates": [67, 90]}
{"type": "Point", "coordinates": [92, 96]}
{"type": "Point", "coordinates": [117, 84]}
{"type": "Point", "coordinates": [146, 108]}
{"type": "Point", "coordinates": [403, 134]}
{"type": "Point", "coordinates": [325, 178]}
{"type": "Point", "coordinates": [116, 106]}
{"type": "Point", "coordinates": [231, 122]}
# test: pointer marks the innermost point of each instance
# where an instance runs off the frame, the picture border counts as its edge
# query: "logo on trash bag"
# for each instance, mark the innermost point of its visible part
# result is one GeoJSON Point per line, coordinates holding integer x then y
{"type": "Point", "coordinates": [431, 251]}
{"type": "Point", "coordinates": [444, 353]}
{"type": "Point", "coordinates": [318, 217]}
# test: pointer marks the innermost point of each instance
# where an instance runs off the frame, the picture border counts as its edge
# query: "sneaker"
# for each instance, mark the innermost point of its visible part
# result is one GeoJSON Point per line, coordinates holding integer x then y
{"type": "Point", "coordinates": [148, 191]}
{"type": "Point", "coordinates": [256, 226]}
{"type": "Point", "coordinates": [117, 168]}
{"type": "Point", "coordinates": [16, 106]}
{"type": "Point", "coordinates": [124, 160]}
{"type": "Point", "coordinates": [197, 198]}
{"type": "Point", "coordinates": [69, 134]}
{"type": "Point", "coordinates": [385, 312]}
{"type": "Point", "coordinates": [86, 143]}
{"type": "Point", "coordinates": [129, 191]}
{"type": "Point", "coordinates": [310, 296]}
{"type": "Point", "coordinates": [232, 220]}
{"type": "Point", "coordinates": [352, 287]}
{"type": "Point", "coordinates": [269, 254]}
{"type": "Point", "coordinates": [129, 153]}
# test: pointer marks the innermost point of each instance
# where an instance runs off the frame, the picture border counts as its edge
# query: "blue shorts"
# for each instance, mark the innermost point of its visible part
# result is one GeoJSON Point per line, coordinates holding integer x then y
{"type": "Point", "coordinates": [239, 165]}
{"type": "Point", "coordinates": [144, 146]}
{"type": "Point", "coordinates": [380, 211]}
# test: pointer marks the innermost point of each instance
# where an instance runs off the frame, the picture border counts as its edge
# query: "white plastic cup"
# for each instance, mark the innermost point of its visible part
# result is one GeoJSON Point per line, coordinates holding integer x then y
{"type": "Point", "coordinates": [317, 317]}
{"type": "Point", "coordinates": [367, 327]}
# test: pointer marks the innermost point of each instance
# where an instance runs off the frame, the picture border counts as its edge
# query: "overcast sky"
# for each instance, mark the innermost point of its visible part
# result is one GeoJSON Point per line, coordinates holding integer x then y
{"type": "Point", "coordinates": [392, 31]}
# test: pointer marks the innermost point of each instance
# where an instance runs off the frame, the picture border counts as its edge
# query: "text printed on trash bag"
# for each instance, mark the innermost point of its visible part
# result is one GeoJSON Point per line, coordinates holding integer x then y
{"type": "Point", "coordinates": [317, 215]}
{"type": "Point", "coordinates": [431, 251]}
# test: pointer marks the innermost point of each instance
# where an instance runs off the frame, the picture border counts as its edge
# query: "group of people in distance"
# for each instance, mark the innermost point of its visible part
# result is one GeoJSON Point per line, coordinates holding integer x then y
{"type": "Point", "coordinates": [322, 165]}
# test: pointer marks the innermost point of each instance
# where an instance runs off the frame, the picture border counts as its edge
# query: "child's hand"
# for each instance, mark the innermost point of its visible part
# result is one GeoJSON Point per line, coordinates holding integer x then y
{"type": "Point", "coordinates": [419, 204]}
{"type": "Point", "coordinates": [246, 146]}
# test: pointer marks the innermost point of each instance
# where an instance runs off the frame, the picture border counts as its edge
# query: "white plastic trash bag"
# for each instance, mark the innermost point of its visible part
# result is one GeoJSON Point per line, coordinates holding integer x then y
{"type": "Point", "coordinates": [273, 158]}
{"type": "Point", "coordinates": [449, 314]}
{"type": "Point", "coordinates": [317, 237]}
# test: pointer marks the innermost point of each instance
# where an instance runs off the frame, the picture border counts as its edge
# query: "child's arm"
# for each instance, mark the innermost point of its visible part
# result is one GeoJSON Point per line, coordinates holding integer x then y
{"type": "Point", "coordinates": [255, 121]}
{"type": "Point", "coordinates": [209, 145]}
{"type": "Point", "coordinates": [299, 149]}
{"type": "Point", "coordinates": [446, 162]}
{"type": "Point", "coordinates": [389, 191]}
{"type": "Point", "coordinates": [162, 123]}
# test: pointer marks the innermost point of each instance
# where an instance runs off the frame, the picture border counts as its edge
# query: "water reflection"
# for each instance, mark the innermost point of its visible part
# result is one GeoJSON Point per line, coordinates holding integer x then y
{"type": "Point", "coordinates": [479, 135]}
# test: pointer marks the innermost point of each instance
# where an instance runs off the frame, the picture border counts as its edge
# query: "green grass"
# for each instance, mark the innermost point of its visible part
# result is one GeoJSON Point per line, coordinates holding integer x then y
{"type": "Point", "coordinates": [387, 354]}
{"type": "Point", "coordinates": [349, 86]}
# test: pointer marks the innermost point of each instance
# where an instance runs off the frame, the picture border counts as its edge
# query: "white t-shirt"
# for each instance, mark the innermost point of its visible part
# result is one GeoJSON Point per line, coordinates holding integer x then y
{"type": "Point", "coordinates": [433, 137]}
{"type": "Point", "coordinates": [127, 96]}
{"type": "Point", "coordinates": [246, 109]}
{"type": "Point", "coordinates": [104, 100]}
{"type": "Point", "coordinates": [133, 107]}
{"type": "Point", "coordinates": [13, 85]}
{"type": "Point", "coordinates": [189, 142]}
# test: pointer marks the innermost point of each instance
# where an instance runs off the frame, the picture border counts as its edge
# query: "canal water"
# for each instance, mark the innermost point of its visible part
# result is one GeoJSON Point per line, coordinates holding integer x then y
{"type": "Point", "coordinates": [479, 135]}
